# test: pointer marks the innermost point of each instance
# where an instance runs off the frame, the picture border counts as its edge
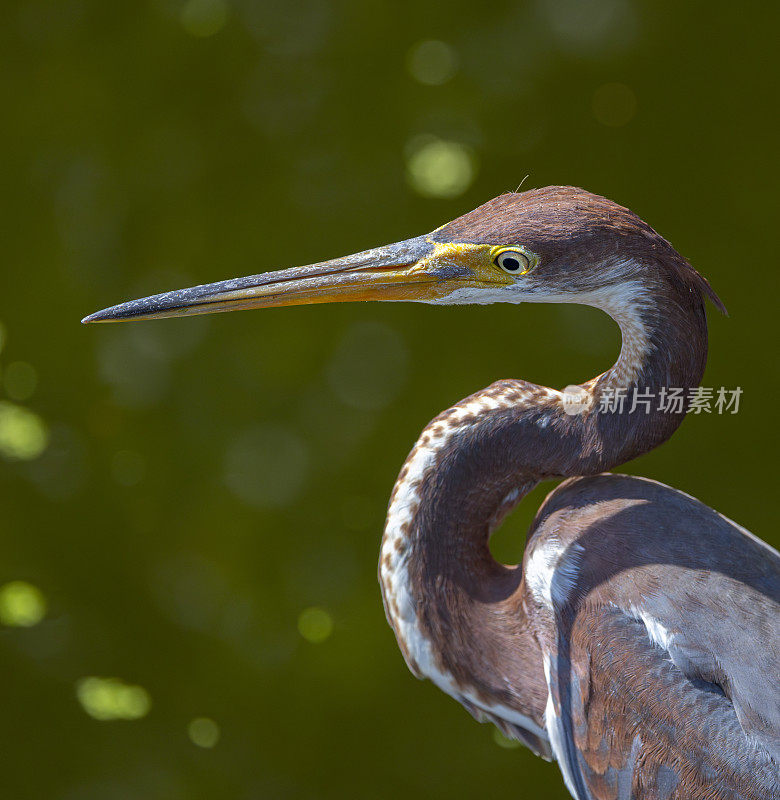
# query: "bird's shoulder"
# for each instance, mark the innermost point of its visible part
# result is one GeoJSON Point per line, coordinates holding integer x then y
{"type": "Point", "coordinates": [668, 573]}
{"type": "Point", "coordinates": [612, 537]}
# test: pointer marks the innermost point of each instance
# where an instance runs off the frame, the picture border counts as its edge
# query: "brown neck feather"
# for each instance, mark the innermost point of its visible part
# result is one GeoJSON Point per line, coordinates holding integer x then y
{"type": "Point", "coordinates": [494, 447]}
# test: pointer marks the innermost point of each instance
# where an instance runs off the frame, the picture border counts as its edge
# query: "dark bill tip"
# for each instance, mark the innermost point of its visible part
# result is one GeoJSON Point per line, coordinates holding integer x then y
{"type": "Point", "coordinates": [196, 300]}
{"type": "Point", "coordinates": [148, 307]}
{"type": "Point", "coordinates": [322, 282]}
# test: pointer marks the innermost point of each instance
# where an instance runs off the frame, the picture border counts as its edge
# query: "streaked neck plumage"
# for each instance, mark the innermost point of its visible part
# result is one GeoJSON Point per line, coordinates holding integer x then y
{"type": "Point", "coordinates": [459, 615]}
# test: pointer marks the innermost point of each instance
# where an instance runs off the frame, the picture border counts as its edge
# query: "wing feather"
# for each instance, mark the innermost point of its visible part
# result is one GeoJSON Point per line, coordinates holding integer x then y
{"type": "Point", "coordinates": [626, 722]}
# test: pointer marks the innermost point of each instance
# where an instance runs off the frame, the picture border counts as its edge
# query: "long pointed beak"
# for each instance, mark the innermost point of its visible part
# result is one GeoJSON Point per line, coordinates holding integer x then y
{"type": "Point", "coordinates": [402, 271]}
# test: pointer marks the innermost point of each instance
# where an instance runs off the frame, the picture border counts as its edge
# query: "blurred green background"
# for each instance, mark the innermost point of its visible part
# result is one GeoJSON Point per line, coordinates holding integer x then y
{"type": "Point", "coordinates": [191, 509]}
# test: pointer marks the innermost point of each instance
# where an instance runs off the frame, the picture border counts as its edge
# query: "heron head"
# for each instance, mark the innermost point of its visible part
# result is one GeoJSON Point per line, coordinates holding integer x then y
{"type": "Point", "coordinates": [558, 244]}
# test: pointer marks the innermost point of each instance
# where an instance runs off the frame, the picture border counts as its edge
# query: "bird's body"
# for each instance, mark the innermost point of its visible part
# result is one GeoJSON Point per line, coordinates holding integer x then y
{"type": "Point", "coordinates": [638, 643]}
{"type": "Point", "coordinates": [659, 629]}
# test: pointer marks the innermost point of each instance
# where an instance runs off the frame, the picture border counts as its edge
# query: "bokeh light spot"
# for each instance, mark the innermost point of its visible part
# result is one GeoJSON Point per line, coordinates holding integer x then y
{"type": "Point", "coordinates": [504, 741]}
{"type": "Point", "coordinates": [128, 468]}
{"type": "Point", "coordinates": [204, 18]}
{"type": "Point", "coordinates": [315, 624]}
{"type": "Point", "coordinates": [440, 168]}
{"type": "Point", "coordinates": [138, 377]}
{"type": "Point", "coordinates": [432, 62]}
{"type": "Point", "coordinates": [23, 434]}
{"type": "Point", "coordinates": [21, 604]}
{"type": "Point", "coordinates": [20, 380]}
{"type": "Point", "coordinates": [62, 469]}
{"type": "Point", "coordinates": [293, 29]}
{"type": "Point", "coordinates": [266, 466]}
{"type": "Point", "coordinates": [369, 366]}
{"type": "Point", "coordinates": [596, 29]}
{"type": "Point", "coordinates": [203, 732]}
{"type": "Point", "coordinates": [110, 698]}
{"type": "Point", "coordinates": [614, 104]}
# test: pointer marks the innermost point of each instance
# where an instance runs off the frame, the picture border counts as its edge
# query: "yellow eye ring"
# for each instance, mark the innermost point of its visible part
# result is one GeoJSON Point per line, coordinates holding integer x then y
{"type": "Point", "coordinates": [512, 260]}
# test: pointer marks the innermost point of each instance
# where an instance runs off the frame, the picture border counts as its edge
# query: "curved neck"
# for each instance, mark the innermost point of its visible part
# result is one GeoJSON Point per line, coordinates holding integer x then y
{"type": "Point", "coordinates": [457, 613]}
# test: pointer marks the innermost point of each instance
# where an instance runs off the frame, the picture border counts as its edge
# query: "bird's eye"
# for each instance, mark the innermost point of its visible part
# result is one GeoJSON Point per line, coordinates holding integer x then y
{"type": "Point", "coordinates": [512, 261]}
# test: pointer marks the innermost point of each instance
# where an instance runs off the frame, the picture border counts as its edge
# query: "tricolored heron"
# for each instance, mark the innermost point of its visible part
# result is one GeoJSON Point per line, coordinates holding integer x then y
{"type": "Point", "coordinates": [638, 643]}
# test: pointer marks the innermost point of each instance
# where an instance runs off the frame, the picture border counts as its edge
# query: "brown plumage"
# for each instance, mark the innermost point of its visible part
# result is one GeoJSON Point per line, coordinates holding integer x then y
{"type": "Point", "coordinates": [639, 641]}
{"type": "Point", "coordinates": [574, 229]}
